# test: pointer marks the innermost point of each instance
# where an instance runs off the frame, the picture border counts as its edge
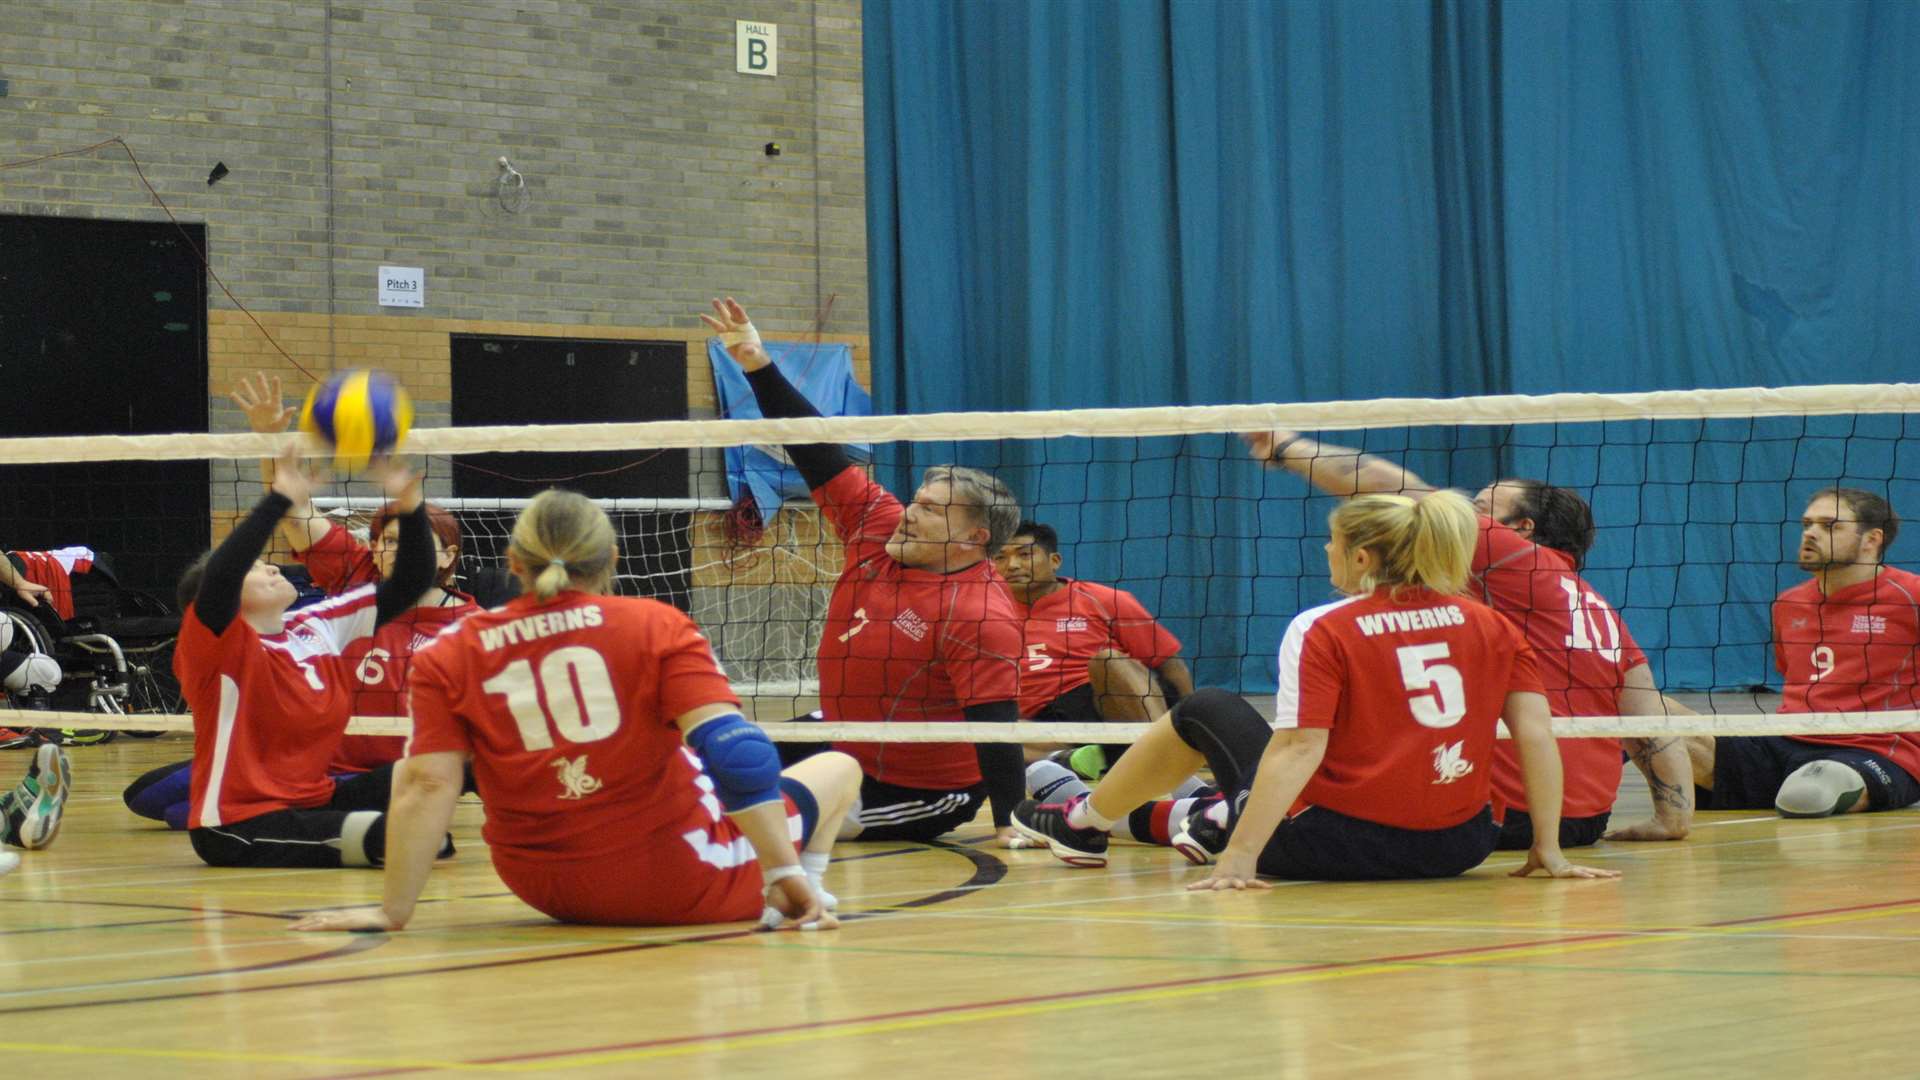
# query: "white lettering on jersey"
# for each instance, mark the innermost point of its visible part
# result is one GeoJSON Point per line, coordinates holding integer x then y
{"type": "Point", "coordinates": [1066, 626]}
{"type": "Point", "coordinates": [1449, 764]}
{"type": "Point", "coordinates": [1869, 624]}
{"type": "Point", "coordinates": [1401, 622]}
{"type": "Point", "coordinates": [373, 667]}
{"type": "Point", "coordinates": [911, 624]}
{"type": "Point", "coordinates": [573, 777]}
{"type": "Point", "coordinates": [545, 624]}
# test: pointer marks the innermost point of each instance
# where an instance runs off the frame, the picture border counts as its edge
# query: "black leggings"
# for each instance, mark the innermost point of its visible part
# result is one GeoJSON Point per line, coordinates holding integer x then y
{"type": "Point", "coordinates": [350, 830]}
{"type": "Point", "coordinates": [1516, 833]}
{"type": "Point", "coordinates": [1319, 844]}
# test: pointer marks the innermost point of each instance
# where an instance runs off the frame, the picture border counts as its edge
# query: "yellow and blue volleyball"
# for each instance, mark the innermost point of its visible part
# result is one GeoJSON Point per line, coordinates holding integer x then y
{"type": "Point", "coordinates": [360, 414]}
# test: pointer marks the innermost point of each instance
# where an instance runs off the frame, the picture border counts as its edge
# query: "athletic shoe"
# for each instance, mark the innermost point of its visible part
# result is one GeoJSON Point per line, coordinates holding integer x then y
{"type": "Point", "coordinates": [16, 740]}
{"type": "Point", "coordinates": [79, 736]}
{"type": "Point", "coordinates": [1047, 824]}
{"type": "Point", "coordinates": [1201, 837]}
{"type": "Point", "coordinates": [32, 809]}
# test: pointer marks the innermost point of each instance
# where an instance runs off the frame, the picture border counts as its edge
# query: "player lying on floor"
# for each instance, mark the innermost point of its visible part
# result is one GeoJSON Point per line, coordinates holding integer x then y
{"type": "Point", "coordinates": [606, 743]}
{"type": "Point", "coordinates": [919, 627]}
{"type": "Point", "coordinates": [270, 697]}
{"type": "Point", "coordinates": [1089, 652]}
{"type": "Point", "coordinates": [1845, 640]}
{"type": "Point", "coordinates": [1377, 765]}
{"type": "Point", "coordinates": [1532, 544]}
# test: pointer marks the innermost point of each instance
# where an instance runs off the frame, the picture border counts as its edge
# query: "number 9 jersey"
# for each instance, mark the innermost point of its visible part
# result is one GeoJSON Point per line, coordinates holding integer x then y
{"type": "Point", "coordinates": [567, 708]}
{"type": "Point", "coordinates": [1411, 685]}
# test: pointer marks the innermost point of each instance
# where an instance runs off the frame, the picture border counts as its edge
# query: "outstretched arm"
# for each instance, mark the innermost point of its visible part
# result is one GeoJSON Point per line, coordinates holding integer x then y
{"type": "Point", "coordinates": [1662, 760]}
{"type": "Point", "coordinates": [425, 790]}
{"type": "Point", "coordinates": [818, 462]}
{"type": "Point", "coordinates": [1336, 470]}
{"type": "Point", "coordinates": [218, 602]}
{"type": "Point", "coordinates": [1532, 729]}
{"type": "Point", "coordinates": [1291, 758]}
{"type": "Point", "coordinates": [413, 563]}
{"type": "Point", "coordinates": [268, 414]}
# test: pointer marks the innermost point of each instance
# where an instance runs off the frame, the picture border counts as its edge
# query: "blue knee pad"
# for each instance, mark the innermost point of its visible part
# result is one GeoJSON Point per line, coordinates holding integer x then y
{"type": "Point", "coordinates": [740, 758]}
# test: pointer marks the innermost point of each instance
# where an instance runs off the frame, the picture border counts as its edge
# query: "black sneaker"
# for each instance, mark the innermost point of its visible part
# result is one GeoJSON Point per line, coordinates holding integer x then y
{"type": "Point", "coordinates": [1203, 835]}
{"type": "Point", "coordinates": [1047, 824]}
{"type": "Point", "coordinates": [32, 809]}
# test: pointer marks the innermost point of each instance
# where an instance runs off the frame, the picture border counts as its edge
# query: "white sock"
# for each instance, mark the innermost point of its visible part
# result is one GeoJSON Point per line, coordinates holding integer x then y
{"type": "Point", "coordinates": [1188, 788]}
{"type": "Point", "coordinates": [1050, 781]}
{"type": "Point", "coordinates": [815, 864]}
{"type": "Point", "coordinates": [1082, 815]}
{"type": "Point", "coordinates": [1820, 789]}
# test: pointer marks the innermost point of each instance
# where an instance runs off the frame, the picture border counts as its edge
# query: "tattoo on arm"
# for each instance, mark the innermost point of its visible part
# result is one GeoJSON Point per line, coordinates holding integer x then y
{"type": "Point", "coordinates": [1643, 752]}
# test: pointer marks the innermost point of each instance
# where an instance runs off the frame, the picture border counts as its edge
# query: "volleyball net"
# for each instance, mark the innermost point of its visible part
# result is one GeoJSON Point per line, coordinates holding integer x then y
{"type": "Point", "coordinates": [1696, 496]}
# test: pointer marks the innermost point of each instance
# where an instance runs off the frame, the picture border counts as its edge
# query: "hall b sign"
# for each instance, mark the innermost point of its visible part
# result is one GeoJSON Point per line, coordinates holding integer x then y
{"type": "Point", "coordinates": [756, 48]}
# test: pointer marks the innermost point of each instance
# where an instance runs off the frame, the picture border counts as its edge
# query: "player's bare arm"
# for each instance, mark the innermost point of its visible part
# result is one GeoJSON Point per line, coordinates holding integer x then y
{"type": "Point", "coordinates": [1531, 725]}
{"type": "Point", "coordinates": [1662, 760]}
{"type": "Point", "coordinates": [1291, 758]}
{"type": "Point", "coordinates": [425, 791]}
{"type": "Point", "coordinates": [1336, 470]}
{"type": "Point", "coordinates": [268, 414]}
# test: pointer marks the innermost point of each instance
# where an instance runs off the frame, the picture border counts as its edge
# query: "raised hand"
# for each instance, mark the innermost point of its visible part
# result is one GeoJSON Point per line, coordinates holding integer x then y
{"type": "Point", "coordinates": [266, 411]}
{"type": "Point", "coordinates": [294, 477]}
{"type": "Point", "coordinates": [403, 486]}
{"type": "Point", "coordinates": [730, 323]}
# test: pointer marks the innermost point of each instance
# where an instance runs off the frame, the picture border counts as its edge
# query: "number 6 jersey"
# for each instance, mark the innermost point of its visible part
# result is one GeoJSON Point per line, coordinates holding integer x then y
{"type": "Point", "coordinates": [567, 707]}
{"type": "Point", "coordinates": [1411, 687]}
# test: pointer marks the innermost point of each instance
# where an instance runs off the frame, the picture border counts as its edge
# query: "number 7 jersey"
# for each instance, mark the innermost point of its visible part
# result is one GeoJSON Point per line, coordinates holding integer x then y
{"type": "Point", "coordinates": [1411, 688]}
{"type": "Point", "coordinates": [567, 708]}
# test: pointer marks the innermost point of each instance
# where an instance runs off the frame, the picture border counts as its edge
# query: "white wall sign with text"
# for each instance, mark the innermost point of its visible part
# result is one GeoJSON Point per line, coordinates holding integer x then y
{"type": "Point", "coordinates": [756, 48]}
{"type": "Point", "coordinates": [403, 286]}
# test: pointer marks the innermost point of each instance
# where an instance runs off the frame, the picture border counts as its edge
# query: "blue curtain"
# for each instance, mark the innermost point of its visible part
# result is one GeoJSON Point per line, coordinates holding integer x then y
{"type": "Point", "coordinates": [1138, 202]}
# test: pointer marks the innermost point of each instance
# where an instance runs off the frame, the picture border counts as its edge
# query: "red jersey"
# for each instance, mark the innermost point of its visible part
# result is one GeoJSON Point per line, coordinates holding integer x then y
{"type": "Point", "coordinates": [268, 712]}
{"type": "Point", "coordinates": [1854, 651]}
{"type": "Point", "coordinates": [1582, 650]}
{"type": "Point", "coordinates": [1414, 752]}
{"type": "Point", "coordinates": [1067, 626]}
{"type": "Point", "coordinates": [909, 645]}
{"type": "Point", "coordinates": [567, 708]}
{"type": "Point", "coordinates": [377, 667]}
{"type": "Point", "coordinates": [338, 562]}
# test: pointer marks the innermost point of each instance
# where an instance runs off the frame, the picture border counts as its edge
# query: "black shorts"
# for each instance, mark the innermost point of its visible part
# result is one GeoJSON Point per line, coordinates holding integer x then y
{"type": "Point", "coordinates": [318, 837]}
{"type": "Point", "coordinates": [1749, 769]}
{"type": "Point", "coordinates": [891, 812]}
{"type": "Point", "coordinates": [1517, 833]}
{"type": "Point", "coordinates": [1319, 844]}
{"type": "Point", "coordinates": [1077, 706]}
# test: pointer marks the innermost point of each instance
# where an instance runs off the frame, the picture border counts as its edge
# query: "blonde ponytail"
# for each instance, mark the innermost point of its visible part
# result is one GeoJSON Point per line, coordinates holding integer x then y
{"type": "Point", "coordinates": [563, 541]}
{"type": "Point", "coordinates": [1426, 542]}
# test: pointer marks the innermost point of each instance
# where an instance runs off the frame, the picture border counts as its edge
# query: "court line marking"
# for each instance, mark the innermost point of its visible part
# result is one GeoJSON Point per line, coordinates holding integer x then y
{"type": "Point", "coordinates": [934, 1016]}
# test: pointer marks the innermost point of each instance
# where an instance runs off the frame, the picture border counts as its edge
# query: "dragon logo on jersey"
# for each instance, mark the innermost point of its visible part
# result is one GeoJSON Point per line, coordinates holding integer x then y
{"type": "Point", "coordinates": [573, 777]}
{"type": "Point", "coordinates": [1449, 764]}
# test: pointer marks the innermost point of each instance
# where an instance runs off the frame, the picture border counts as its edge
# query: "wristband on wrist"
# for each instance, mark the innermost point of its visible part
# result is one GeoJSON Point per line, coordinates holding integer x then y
{"type": "Point", "coordinates": [1279, 451]}
{"type": "Point", "coordinates": [781, 873]}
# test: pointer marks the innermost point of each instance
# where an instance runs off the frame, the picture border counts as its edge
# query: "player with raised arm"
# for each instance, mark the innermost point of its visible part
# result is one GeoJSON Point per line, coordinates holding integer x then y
{"type": "Point", "coordinates": [1845, 640]}
{"type": "Point", "coordinates": [1378, 761]}
{"type": "Point", "coordinates": [588, 719]}
{"type": "Point", "coordinates": [1090, 652]}
{"type": "Point", "coordinates": [1526, 565]}
{"type": "Point", "coordinates": [269, 698]}
{"type": "Point", "coordinates": [919, 627]}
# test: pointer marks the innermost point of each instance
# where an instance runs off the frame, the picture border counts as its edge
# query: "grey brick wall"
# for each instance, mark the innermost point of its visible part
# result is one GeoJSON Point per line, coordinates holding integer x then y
{"type": "Point", "coordinates": [641, 147]}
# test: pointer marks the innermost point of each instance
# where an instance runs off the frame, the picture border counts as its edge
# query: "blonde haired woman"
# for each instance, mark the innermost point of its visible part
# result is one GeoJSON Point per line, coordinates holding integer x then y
{"type": "Point", "coordinates": [588, 719]}
{"type": "Point", "coordinates": [1378, 761]}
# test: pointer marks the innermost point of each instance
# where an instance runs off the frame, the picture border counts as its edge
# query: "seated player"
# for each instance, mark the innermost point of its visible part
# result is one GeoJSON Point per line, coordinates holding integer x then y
{"type": "Point", "coordinates": [1092, 652]}
{"type": "Point", "coordinates": [339, 564]}
{"type": "Point", "coordinates": [919, 628]}
{"type": "Point", "coordinates": [1845, 640]}
{"type": "Point", "coordinates": [1378, 764]}
{"type": "Point", "coordinates": [1533, 542]}
{"type": "Point", "coordinates": [578, 710]}
{"type": "Point", "coordinates": [269, 698]}
{"type": "Point", "coordinates": [27, 677]}
{"type": "Point", "coordinates": [30, 813]}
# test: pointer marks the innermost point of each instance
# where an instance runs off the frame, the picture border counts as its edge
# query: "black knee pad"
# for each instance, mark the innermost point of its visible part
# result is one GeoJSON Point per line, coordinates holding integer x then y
{"type": "Point", "coordinates": [1227, 731]}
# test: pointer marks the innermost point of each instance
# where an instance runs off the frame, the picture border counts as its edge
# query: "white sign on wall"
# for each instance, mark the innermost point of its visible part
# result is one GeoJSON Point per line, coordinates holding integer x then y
{"type": "Point", "coordinates": [756, 48]}
{"type": "Point", "coordinates": [403, 286]}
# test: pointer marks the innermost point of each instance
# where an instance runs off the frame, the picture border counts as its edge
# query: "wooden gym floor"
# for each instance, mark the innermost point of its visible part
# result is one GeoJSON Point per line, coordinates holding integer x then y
{"type": "Point", "coordinates": [1758, 948]}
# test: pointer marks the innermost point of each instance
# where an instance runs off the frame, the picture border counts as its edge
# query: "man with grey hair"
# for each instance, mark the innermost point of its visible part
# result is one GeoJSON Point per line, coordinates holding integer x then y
{"type": "Point", "coordinates": [920, 626]}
